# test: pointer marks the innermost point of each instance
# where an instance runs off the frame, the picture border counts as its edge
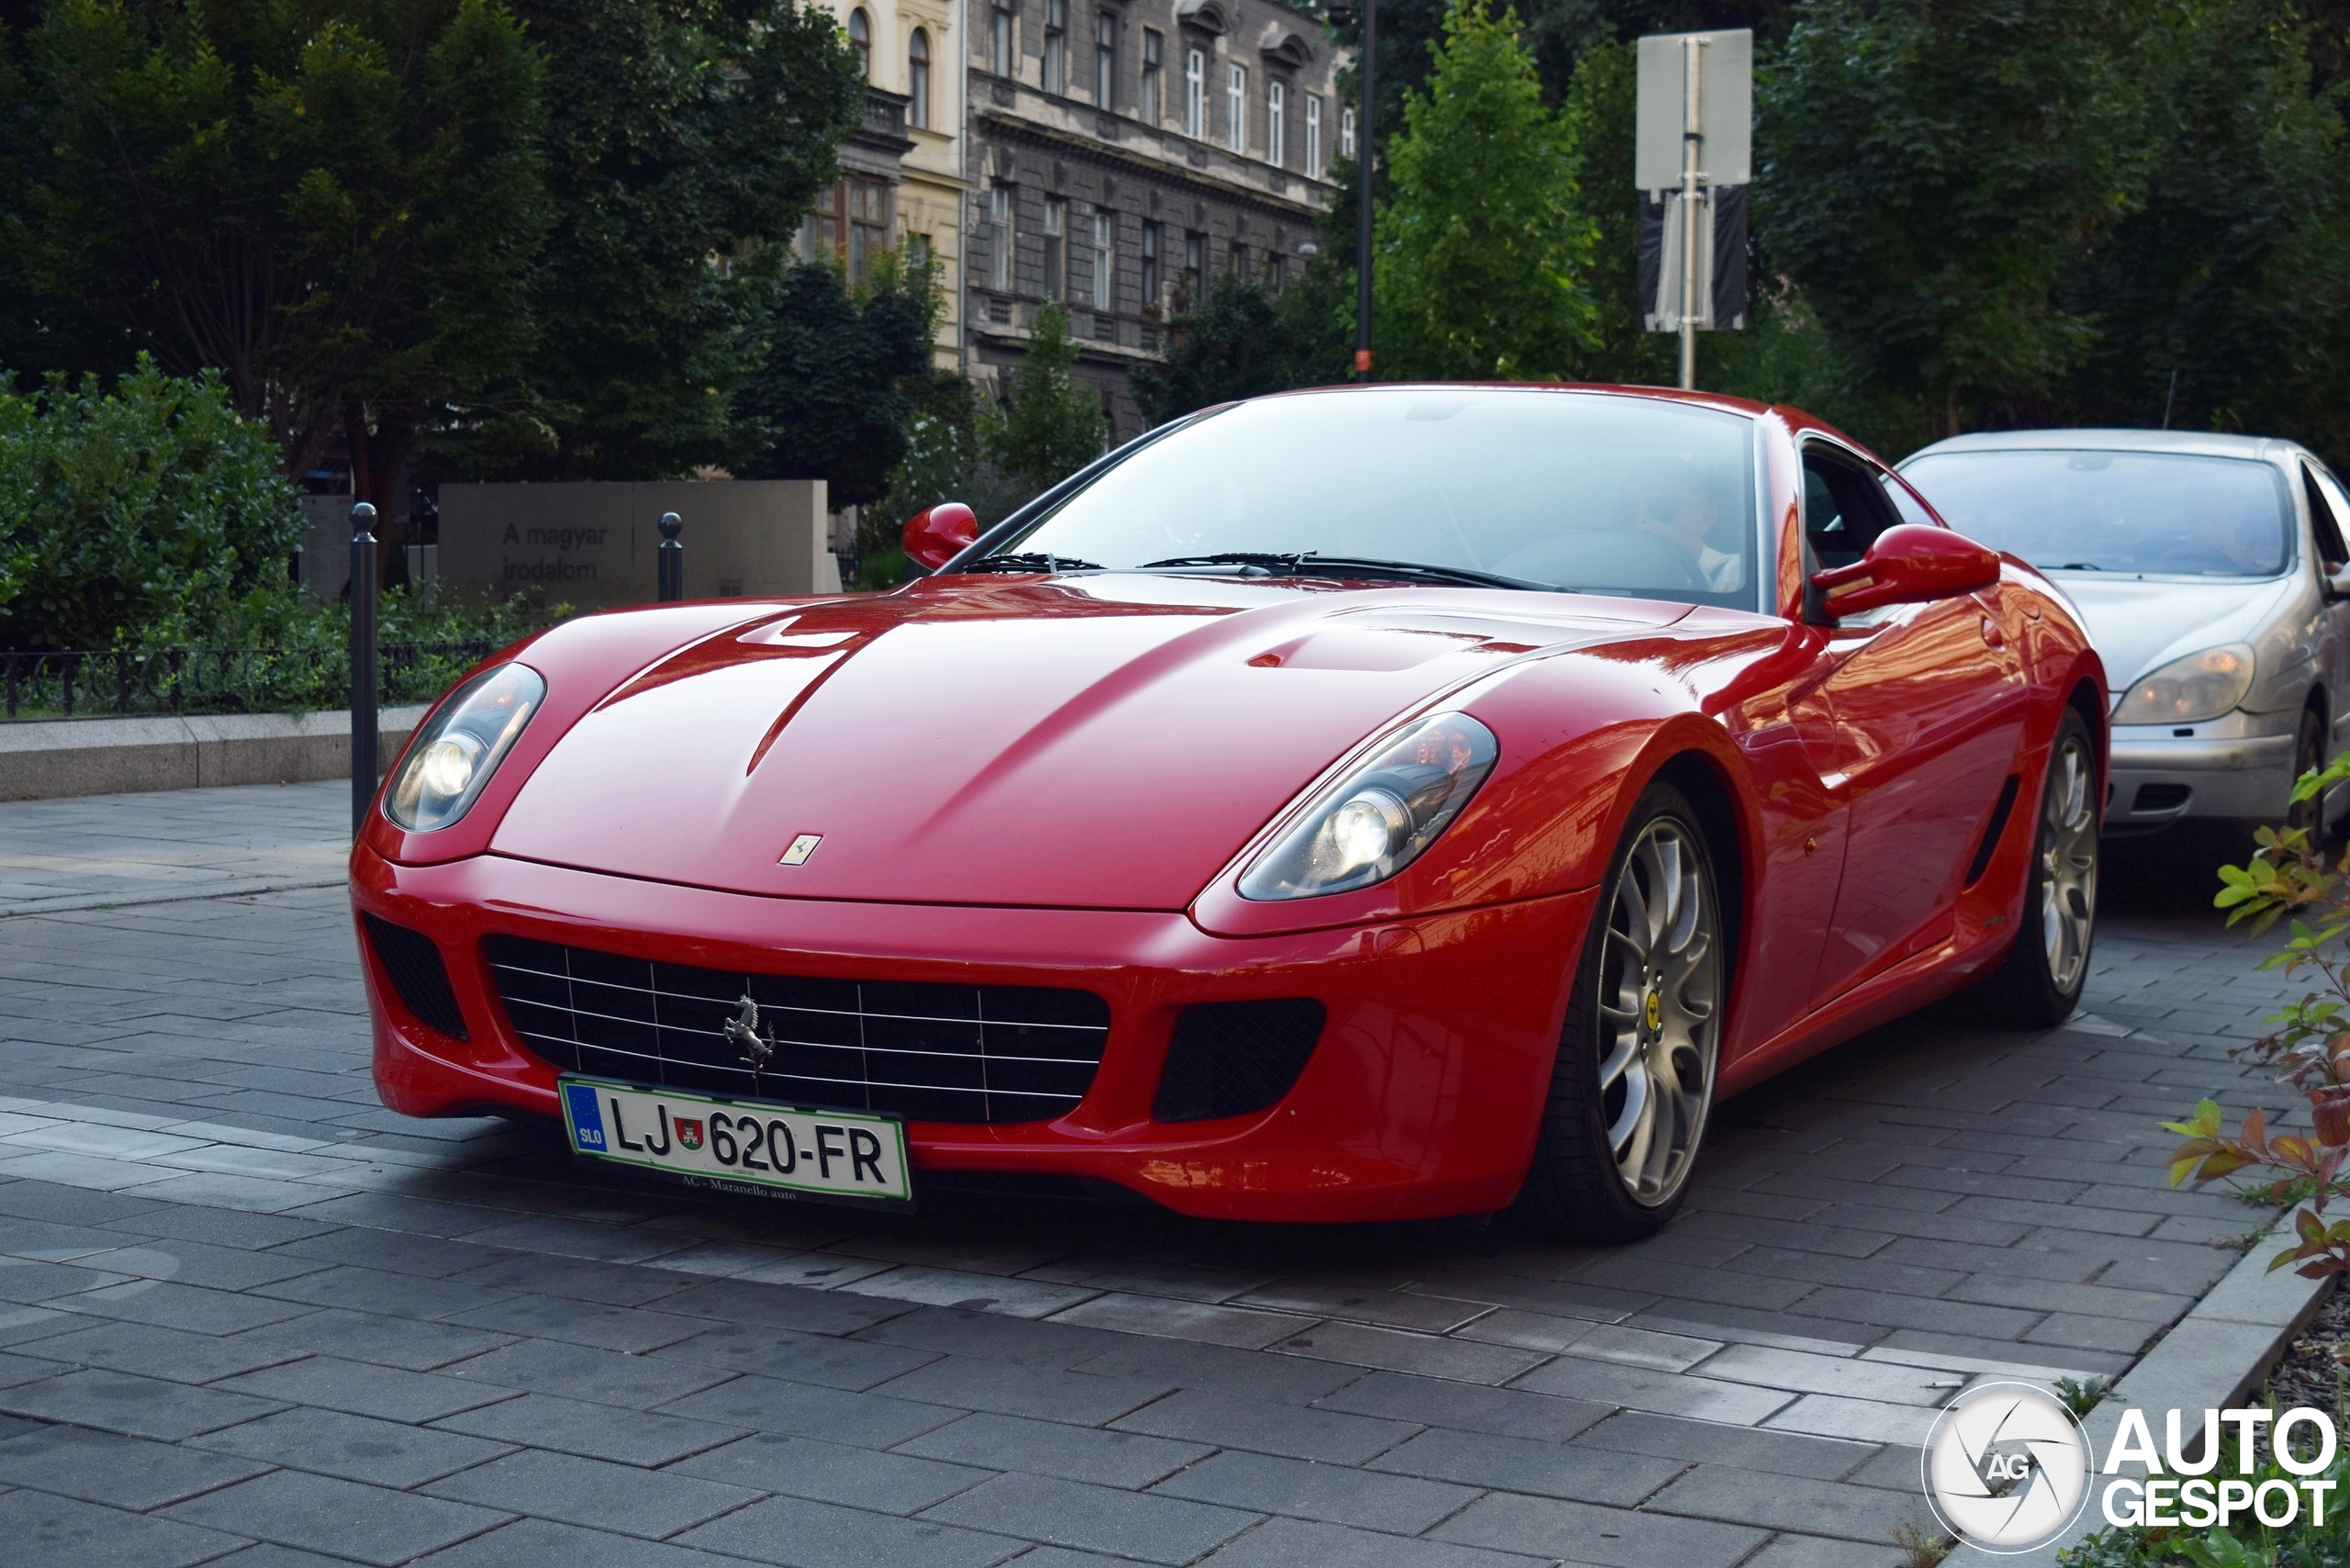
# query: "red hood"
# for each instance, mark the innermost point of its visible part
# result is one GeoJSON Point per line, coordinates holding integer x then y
{"type": "Point", "coordinates": [1105, 742]}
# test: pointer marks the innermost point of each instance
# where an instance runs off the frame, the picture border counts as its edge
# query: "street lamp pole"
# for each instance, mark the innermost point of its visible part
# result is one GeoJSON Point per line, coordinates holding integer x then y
{"type": "Point", "coordinates": [1367, 73]}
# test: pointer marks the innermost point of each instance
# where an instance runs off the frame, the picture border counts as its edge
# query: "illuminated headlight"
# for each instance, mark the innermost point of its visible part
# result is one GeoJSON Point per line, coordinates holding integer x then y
{"type": "Point", "coordinates": [1378, 819]}
{"type": "Point", "coordinates": [2191, 691]}
{"type": "Point", "coordinates": [447, 765]}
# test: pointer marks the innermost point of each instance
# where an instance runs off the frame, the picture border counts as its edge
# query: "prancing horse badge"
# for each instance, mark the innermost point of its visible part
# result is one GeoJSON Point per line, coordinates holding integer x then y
{"type": "Point", "coordinates": [801, 847]}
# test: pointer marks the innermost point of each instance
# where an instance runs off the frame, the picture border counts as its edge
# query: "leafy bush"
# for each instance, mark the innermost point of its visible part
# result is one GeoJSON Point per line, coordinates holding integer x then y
{"type": "Point", "coordinates": [136, 511]}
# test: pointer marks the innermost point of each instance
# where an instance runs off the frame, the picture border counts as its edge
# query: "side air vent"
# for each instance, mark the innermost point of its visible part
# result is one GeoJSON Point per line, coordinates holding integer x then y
{"type": "Point", "coordinates": [2161, 797]}
{"type": "Point", "coordinates": [412, 961]}
{"type": "Point", "coordinates": [1231, 1057]}
{"type": "Point", "coordinates": [1999, 825]}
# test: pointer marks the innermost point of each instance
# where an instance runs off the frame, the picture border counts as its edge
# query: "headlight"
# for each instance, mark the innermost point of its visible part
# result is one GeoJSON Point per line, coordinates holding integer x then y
{"type": "Point", "coordinates": [1378, 819]}
{"type": "Point", "coordinates": [448, 764]}
{"type": "Point", "coordinates": [2190, 691]}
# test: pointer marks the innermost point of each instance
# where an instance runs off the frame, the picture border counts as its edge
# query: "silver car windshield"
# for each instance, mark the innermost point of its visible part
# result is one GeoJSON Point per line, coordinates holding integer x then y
{"type": "Point", "coordinates": [1583, 491]}
{"type": "Point", "coordinates": [2156, 513]}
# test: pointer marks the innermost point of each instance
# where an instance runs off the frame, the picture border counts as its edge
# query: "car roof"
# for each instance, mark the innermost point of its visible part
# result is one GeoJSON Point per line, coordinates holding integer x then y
{"type": "Point", "coordinates": [2196, 443]}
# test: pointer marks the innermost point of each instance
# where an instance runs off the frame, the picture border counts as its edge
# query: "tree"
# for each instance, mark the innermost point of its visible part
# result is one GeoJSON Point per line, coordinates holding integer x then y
{"type": "Point", "coordinates": [1243, 342]}
{"type": "Point", "coordinates": [2231, 273]}
{"type": "Point", "coordinates": [1483, 248]}
{"type": "Point", "coordinates": [829, 393]}
{"type": "Point", "coordinates": [333, 203]}
{"type": "Point", "coordinates": [1598, 115]}
{"type": "Point", "coordinates": [137, 511]}
{"type": "Point", "coordinates": [689, 130]}
{"type": "Point", "coordinates": [1046, 427]}
{"type": "Point", "coordinates": [1928, 170]}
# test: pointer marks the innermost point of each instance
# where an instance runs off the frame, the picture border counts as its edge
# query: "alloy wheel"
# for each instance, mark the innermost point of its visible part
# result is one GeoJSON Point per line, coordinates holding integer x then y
{"type": "Point", "coordinates": [1660, 1010]}
{"type": "Point", "coordinates": [2068, 863]}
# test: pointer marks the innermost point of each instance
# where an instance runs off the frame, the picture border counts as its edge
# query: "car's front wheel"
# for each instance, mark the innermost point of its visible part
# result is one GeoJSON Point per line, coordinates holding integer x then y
{"type": "Point", "coordinates": [2040, 981]}
{"type": "Point", "coordinates": [1634, 1078]}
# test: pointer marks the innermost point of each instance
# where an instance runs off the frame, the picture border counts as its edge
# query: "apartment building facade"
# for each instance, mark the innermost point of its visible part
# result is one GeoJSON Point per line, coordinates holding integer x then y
{"type": "Point", "coordinates": [902, 178]}
{"type": "Point", "coordinates": [1123, 153]}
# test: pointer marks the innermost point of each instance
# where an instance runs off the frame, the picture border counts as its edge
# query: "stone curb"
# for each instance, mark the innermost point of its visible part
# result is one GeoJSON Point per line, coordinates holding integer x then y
{"type": "Point", "coordinates": [2209, 1360]}
{"type": "Point", "coordinates": [47, 758]}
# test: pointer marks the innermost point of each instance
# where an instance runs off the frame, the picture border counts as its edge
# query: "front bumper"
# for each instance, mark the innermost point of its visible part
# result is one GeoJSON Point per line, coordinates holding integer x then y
{"type": "Point", "coordinates": [2158, 778]}
{"type": "Point", "coordinates": [1420, 1100]}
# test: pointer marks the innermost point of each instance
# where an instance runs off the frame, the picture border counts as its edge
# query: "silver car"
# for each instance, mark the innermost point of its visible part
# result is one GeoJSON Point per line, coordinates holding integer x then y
{"type": "Point", "coordinates": [2210, 572]}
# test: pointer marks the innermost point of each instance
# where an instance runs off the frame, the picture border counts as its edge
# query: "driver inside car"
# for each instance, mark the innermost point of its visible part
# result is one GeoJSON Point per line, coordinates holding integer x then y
{"type": "Point", "coordinates": [1676, 504]}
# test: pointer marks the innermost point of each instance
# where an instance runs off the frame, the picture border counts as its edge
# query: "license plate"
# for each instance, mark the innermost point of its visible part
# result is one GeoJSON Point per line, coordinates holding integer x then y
{"type": "Point", "coordinates": [740, 1146]}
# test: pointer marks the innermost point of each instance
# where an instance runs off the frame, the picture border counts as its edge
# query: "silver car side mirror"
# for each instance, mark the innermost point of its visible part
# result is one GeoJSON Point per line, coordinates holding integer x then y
{"type": "Point", "coordinates": [2337, 582]}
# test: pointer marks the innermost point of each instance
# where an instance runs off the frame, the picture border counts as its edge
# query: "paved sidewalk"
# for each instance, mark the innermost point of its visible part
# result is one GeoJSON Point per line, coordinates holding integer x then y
{"type": "Point", "coordinates": [251, 1305]}
{"type": "Point", "coordinates": [82, 852]}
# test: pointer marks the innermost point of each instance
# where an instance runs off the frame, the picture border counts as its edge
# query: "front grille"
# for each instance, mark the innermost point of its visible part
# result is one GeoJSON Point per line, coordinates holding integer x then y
{"type": "Point", "coordinates": [931, 1053]}
{"type": "Point", "coordinates": [1228, 1059]}
{"type": "Point", "coordinates": [413, 963]}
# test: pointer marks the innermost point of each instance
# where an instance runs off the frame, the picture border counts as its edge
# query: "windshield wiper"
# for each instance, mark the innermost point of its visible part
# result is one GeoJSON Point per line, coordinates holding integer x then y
{"type": "Point", "coordinates": [1312, 563]}
{"type": "Point", "coordinates": [1029, 561]}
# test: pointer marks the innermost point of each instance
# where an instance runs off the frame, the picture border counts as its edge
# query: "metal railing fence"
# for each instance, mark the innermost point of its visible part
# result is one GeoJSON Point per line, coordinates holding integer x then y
{"type": "Point", "coordinates": [65, 684]}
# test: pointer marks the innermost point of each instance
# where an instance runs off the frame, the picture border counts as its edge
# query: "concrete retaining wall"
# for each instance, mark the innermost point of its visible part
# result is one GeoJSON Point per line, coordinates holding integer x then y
{"type": "Point", "coordinates": [113, 757]}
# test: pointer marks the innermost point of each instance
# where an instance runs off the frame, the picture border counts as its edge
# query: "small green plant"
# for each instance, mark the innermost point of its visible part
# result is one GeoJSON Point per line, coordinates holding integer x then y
{"type": "Point", "coordinates": [2292, 880]}
{"type": "Point", "coordinates": [2082, 1394]}
{"type": "Point", "coordinates": [1922, 1547]}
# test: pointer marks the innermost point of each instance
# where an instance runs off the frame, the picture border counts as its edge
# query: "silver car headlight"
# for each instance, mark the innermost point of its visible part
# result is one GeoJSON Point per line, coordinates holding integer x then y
{"type": "Point", "coordinates": [1378, 819]}
{"type": "Point", "coordinates": [2191, 691]}
{"type": "Point", "coordinates": [448, 765]}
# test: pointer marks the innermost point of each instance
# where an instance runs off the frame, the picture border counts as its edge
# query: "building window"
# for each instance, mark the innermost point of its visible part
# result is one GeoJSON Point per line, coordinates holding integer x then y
{"type": "Point", "coordinates": [1276, 271]}
{"type": "Point", "coordinates": [1150, 264]}
{"type": "Point", "coordinates": [918, 80]}
{"type": "Point", "coordinates": [1312, 136]}
{"type": "Point", "coordinates": [1105, 59]}
{"type": "Point", "coordinates": [850, 225]}
{"type": "Point", "coordinates": [1104, 225]}
{"type": "Point", "coordinates": [1346, 133]}
{"type": "Point", "coordinates": [1195, 94]}
{"type": "Point", "coordinates": [1235, 108]}
{"type": "Point", "coordinates": [1153, 60]}
{"type": "Point", "coordinates": [1000, 55]}
{"type": "Point", "coordinates": [1276, 123]}
{"type": "Point", "coordinates": [1056, 233]}
{"type": "Point", "coordinates": [860, 37]}
{"type": "Point", "coordinates": [1238, 261]}
{"type": "Point", "coordinates": [1195, 267]}
{"type": "Point", "coordinates": [1055, 62]}
{"type": "Point", "coordinates": [1000, 237]}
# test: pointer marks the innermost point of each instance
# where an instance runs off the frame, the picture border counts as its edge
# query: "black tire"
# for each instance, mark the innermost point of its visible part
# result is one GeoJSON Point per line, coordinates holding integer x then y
{"type": "Point", "coordinates": [1577, 1186]}
{"type": "Point", "coordinates": [2039, 983]}
{"type": "Point", "coordinates": [2309, 754]}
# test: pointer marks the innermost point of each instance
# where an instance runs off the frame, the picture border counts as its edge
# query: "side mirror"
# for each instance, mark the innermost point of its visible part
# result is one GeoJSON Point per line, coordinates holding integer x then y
{"type": "Point", "coordinates": [2337, 582]}
{"type": "Point", "coordinates": [1907, 564]}
{"type": "Point", "coordinates": [935, 536]}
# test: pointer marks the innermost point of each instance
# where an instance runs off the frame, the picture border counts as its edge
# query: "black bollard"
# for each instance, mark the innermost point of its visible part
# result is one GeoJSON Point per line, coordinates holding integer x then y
{"type": "Point", "coordinates": [672, 558]}
{"type": "Point", "coordinates": [363, 664]}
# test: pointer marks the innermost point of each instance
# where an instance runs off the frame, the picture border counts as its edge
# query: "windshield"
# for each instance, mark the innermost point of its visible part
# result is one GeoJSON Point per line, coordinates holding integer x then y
{"type": "Point", "coordinates": [1556, 490]}
{"type": "Point", "coordinates": [2159, 513]}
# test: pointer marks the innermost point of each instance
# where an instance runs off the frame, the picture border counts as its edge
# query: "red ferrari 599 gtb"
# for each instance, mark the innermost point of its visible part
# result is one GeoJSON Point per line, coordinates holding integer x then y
{"type": "Point", "coordinates": [1372, 803]}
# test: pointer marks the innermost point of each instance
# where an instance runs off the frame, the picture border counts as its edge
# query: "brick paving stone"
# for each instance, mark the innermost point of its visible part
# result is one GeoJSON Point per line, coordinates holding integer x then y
{"type": "Point", "coordinates": [1044, 1346]}
{"type": "Point", "coordinates": [192, 1307]}
{"type": "Point", "coordinates": [1102, 1518]}
{"type": "Point", "coordinates": [47, 1531]}
{"type": "Point", "coordinates": [1609, 1537]}
{"type": "Point", "coordinates": [852, 1364]}
{"type": "Point", "coordinates": [1818, 1552]}
{"type": "Point", "coordinates": [829, 1472]}
{"type": "Point", "coordinates": [1785, 1502]}
{"type": "Point", "coordinates": [606, 1377]}
{"type": "Point", "coordinates": [365, 1390]}
{"type": "Point", "coordinates": [408, 1342]}
{"type": "Point", "coordinates": [1052, 1448]}
{"type": "Point", "coordinates": [356, 1448]}
{"type": "Point", "coordinates": [1600, 1385]}
{"type": "Point", "coordinates": [1426, 1355]}
{"type": "Point", "coordinates": [1334, 1493]}
{"type": "Point", "coordinates": [138, 1406]}
{"type": "Point", "coordinates": [1520, 1464]}
{"type": "Point", "coordinates": [1288, 1380]}
{"type": "Point", "coordinates": [594, 1493]}
{"type": "Point", "coordinates": [537, 1543]}
{"type": "Point", "coordinates": [807, 1534]}
{"type": "Point", "coordinates": [597, 1431]}
{"type": "Point", "coordinates": [123, 1473]}
{"type": "Point", "coordinates": [1781, 1453]}
{"type": "Point", "coordinates": [1506, 1412]}
{"type": "Point", "coordinates": [771, 1405]}
{"type": "Point", "coordinates": [1296, 1543]}
{"type": "Point", "coordinates": [320, 1513]}
{"type": "Point", "coordinates": [1009, 1389]}
{"type": "Point", "coordinates": [1330, 1436]}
